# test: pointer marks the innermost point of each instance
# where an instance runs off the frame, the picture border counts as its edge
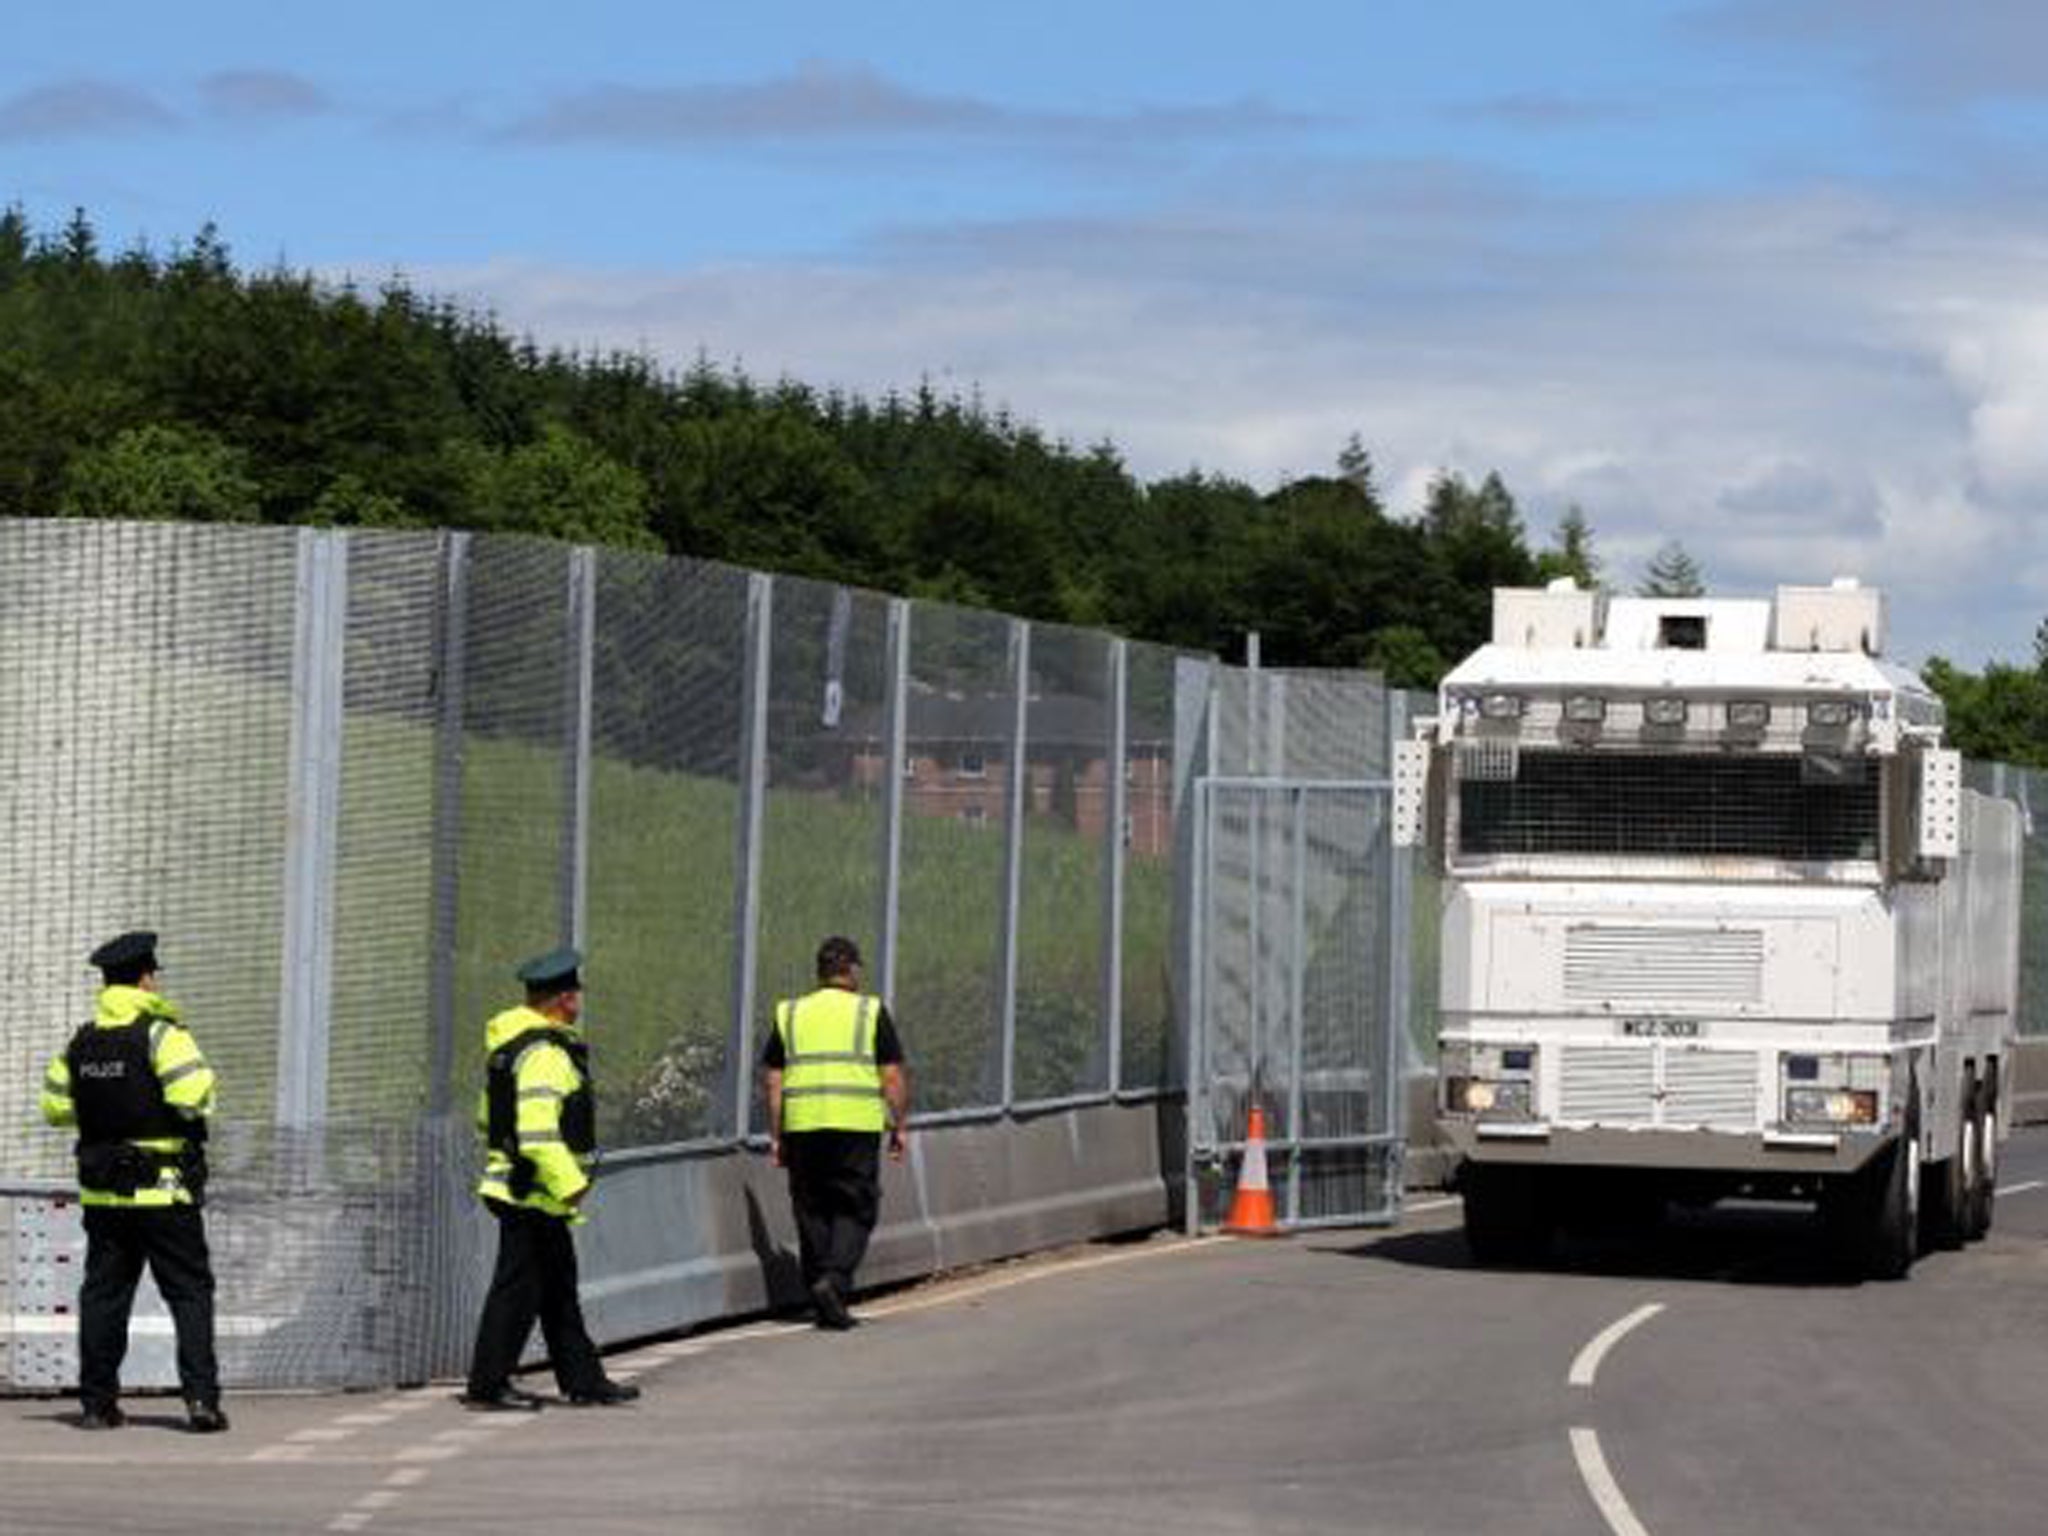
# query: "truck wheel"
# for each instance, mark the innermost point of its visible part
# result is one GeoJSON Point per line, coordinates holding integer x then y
{"type": "Point", "coordinates": [1506, 1219]}
{"type": "Point", "coordinates": [1949, 1185]}
{"type": "Point", "coordinates": [1891, 1202]}
{"type": "Point", "coordinates": [1984, 1186]}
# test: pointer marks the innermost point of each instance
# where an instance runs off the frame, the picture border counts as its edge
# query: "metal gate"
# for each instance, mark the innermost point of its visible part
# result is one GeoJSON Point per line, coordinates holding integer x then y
{"type": "Point", "coordinates": [1300, 997]}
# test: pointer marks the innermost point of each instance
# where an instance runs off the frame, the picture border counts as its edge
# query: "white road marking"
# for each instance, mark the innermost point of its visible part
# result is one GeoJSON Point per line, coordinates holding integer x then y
{"type": "Point", "coordinates": [943, 1296]}
{"type": "Point", "coordinates": [379, 1498]}
{"type": "Point", "coordinates": [1601, 1485]}
{"type": "Point", "coordinates": [1420, 1207]}
{"type": "Point", "coordinates": [405, 1477]}
{"type": "Point", "coordinates": [428, 1452]}
{"type": "Point", "coordinates": [2021, 1189]}
{"type": "Point", "coordinates": [351, 1520]}
{"type": "Point", "coordinates": [1589, 1358]}
{"type": "Point", "coordinates": [282, 1453]}
{"type": "Point", "coordinates": [318, 1436]}
{"type": "Point", "coordinates": [364, 1420]}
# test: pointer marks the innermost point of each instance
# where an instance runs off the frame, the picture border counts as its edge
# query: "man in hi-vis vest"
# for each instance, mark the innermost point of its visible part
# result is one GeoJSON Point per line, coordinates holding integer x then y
{"type": "Point", "coordinates": [136, 1087]}
{"type": "Point", "coordinates": [835, 1083]}
{"type": "Point", "coordinates": [539, 1119]}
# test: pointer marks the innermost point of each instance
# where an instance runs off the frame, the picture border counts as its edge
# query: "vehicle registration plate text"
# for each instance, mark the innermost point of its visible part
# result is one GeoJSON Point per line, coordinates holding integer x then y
{"type": "Point", "coordinates": [1661, 1029]}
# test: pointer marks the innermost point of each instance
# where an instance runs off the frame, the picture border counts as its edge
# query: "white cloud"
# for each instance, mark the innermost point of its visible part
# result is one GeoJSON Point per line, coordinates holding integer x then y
{"type": "Point", "coordinates": [1999, 361]}
{"type": "Point", "coordinates": [1788, 386]}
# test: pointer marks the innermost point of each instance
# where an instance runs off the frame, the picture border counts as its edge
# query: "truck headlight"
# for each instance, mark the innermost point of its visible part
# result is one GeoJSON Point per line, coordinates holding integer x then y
{"type": "Point", "coordinates": [1501, 706]}
{"type": "Point", "coordinates": [1491, 1081]}
{"type": "Point", "coordinates": [1830, 1106]}
{"type": "Point", "coordinates": [1748, 714]}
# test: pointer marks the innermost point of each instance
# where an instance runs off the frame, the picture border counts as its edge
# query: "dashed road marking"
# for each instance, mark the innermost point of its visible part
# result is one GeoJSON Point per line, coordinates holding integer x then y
{"type": "Point", "coordinates": [1423, 1207]}
{"type": "Point", "coordinates": [2021, 1189]}
{"type": "Point", "coordinates": [1601, 1485]}
{"type": "Point", "coordinates": [1587, 1362]}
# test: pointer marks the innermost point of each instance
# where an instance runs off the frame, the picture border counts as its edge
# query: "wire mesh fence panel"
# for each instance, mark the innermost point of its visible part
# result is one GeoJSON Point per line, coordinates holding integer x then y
{"type": "Point", "coordinates": [145, 684]}
{"type": "Point", "coordinates": [960, 716]}
{"type": "Point", "coordinates": [668, 691]}
{"type": "Point", "coordinates": [514, 783]}
{"type": "Point", "coordinates": [823, 867]}
{"type": "Point", "coordinates": [1151, 846]}
{"type": "Point", "coordinates": [1062, 1037]}
{"type": "Point", "coordinates": [1343, 1060]}
{"type": "Point", "coordinates": [2025, 788]}
{"type": "Point", "coordinates": [378, 1049]}
{"type": "Point", "coordinates": [1247, 937]}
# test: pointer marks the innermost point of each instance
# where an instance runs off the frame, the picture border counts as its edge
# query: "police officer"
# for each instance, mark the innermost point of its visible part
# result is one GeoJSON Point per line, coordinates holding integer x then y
{"type": "Point", "coordinates": [134, 1084]}
{"type": "Point", "coordinates": [540, 1123]}
{"type": "Point", "coordinates": [834, 1078]}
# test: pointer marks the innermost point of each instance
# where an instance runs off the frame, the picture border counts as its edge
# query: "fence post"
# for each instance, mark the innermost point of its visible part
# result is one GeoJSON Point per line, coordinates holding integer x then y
{"type": "Point", "coordinates": [753, 795]}
{"type": "Point", "coordinates": [451, 653]}
{"type": "Point", "coordinates": [1398, 938]}
{"type": "Point", "coordinates": [1117, 811]}
{"type": "Point", "coordinates": [897, 714]}
{"type": "Point", "coordinates": [1297, 987]}
{"type": "Point", "coordinates": [312, 827]}
{"type": "Point", "coordinates": [1018, 787]}
{"type": "Point", "coordinates": [582, 644]}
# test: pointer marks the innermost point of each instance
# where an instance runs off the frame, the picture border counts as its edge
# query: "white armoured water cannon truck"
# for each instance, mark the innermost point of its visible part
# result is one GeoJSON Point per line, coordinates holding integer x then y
{"type": "Point", "coordinates": [1719, 919]}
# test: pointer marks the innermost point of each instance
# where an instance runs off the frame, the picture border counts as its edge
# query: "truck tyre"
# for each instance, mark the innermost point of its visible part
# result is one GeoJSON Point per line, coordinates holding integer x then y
{"type": "Point", "coordinates": [1891, 1210]}
{"type": "Point", "coordinates": [1983, 1192]}
{"type": "Point", "coordinates": [1949, 1186]}
{"type": "Point", "coordinates": [1506, 1218]}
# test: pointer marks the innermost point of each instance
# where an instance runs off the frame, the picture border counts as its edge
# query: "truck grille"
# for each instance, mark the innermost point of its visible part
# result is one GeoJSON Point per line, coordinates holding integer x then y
{"type": "Point", "coordinates": [1614, 1085]}
{"type": "Point", "coordinates": [1716, 1088]}
{"type": "Point", "coordinates": [1613, 963]}
{"type": "Point", "coordinates": [1619, 1085]}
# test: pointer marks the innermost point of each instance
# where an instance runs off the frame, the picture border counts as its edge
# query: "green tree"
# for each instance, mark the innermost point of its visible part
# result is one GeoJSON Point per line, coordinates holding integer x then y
{"type": "Point", "coordinates": [560, 486]}
{"type": "Point", "coordinates": [162, 473]}
{"type": "Point", "coordinates": [348, 503]}
{"type": "Point", "coordinates": [1672, 573]}
{"type": "Point", "coordinates": [1571, 553]}
{"type": "Point", "coordinates": [1403, 655]}
{"type": "Point", "coordinates": [2000, 715]}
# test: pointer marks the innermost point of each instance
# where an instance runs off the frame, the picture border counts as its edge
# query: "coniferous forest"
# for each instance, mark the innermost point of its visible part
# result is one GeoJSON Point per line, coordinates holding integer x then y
{"type": "Point", "coordinates": [173, 384]}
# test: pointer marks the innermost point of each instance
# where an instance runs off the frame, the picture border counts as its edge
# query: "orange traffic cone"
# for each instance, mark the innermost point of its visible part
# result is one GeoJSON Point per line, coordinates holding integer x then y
{"type": "Point", "coordinates": [1251, 1208]}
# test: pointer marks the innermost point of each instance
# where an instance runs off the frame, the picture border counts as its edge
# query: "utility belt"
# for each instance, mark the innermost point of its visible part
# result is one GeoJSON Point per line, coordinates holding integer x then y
{"type": "Point", "coordinates": [122, 1168]}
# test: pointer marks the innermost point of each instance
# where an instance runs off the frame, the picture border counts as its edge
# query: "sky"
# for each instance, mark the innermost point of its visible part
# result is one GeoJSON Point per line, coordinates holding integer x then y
{"type": "Point", "coordinates": [1766, 277]}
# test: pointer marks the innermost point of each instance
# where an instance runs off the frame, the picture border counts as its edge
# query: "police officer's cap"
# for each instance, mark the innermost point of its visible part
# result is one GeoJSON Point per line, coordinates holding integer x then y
{"type": "Point", "coordinates": [130, 952]}
{"type": "Point", "coordinates": [554, 971]}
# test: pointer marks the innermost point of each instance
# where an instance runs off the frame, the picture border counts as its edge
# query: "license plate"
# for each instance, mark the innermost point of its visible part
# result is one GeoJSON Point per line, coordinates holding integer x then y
{"type": "Point", "coordinates": [1661, 1029]}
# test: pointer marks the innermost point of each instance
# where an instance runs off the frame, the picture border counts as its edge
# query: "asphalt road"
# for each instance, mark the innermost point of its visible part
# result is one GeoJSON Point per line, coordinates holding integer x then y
{"type": "Point", "coordinates": [1717, 1379]}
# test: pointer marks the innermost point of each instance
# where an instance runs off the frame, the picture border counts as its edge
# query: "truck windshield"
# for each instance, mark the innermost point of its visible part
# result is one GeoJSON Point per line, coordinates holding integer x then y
{"type": "Point", "coordinates": [1671, 804]}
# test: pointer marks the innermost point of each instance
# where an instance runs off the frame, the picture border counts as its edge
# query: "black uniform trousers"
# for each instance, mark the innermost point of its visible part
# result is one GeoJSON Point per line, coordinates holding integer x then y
{"type": "Point", "coordinates": [119, 1240]}
{"type": "Point", "coordinates": [835, 1193]}
{"type": "Point", "coordinates": [535, 1278]}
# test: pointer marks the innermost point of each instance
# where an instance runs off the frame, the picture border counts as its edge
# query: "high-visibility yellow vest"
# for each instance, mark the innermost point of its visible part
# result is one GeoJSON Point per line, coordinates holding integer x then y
{"type": "Point", "coordinates": [830, 1080]}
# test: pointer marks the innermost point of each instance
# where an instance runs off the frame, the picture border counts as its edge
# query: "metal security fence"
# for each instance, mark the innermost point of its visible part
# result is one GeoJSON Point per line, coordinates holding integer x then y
{"type": "Point", "coordinates": [1301, 915]}
{"type": "Point", "coordinates": [353, 777]}
{"type": "Point", "coordinates": [2027, 788]}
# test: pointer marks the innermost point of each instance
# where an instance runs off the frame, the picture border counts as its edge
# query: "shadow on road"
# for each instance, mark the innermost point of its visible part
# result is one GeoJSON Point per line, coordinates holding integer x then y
{"type": "Point", "coordinates": [1731, 1244]}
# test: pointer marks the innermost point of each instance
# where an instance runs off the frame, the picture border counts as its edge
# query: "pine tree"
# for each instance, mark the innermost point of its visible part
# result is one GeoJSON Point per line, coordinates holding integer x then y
{"type": "Point", "coordinates": [1672, 573]}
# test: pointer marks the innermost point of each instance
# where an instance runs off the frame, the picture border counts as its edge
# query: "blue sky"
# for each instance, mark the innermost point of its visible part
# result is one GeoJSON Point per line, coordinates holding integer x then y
{"type": "Point", "coordinates": [1766, 276]}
